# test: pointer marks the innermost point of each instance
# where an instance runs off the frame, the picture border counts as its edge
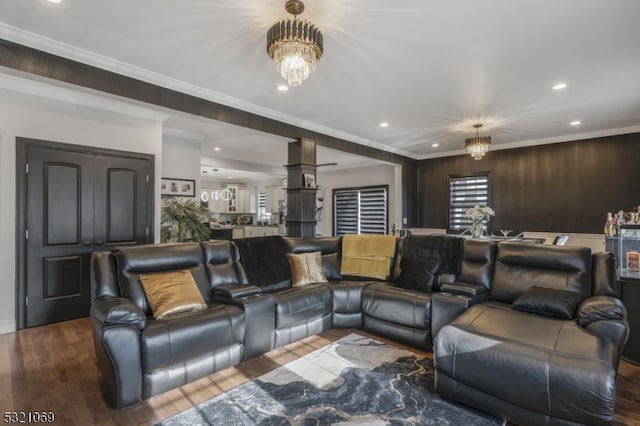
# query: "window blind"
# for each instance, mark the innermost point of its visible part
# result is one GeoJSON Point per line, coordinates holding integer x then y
{"type": "Point", "coordinates": [466, 192]}
{"type": "Point", "coordinates": [360, 210]}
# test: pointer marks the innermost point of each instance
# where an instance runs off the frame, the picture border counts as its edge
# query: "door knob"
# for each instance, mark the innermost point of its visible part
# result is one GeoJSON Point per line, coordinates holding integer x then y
{"type": "Point", "coordinates": [87, 242]}
{"type": "Point", "coordinates": [98, 242]}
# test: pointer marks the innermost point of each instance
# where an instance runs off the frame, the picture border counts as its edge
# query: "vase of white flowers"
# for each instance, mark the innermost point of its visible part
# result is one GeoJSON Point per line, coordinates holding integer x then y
{"type": "Point", "coordinates": [479, 216]}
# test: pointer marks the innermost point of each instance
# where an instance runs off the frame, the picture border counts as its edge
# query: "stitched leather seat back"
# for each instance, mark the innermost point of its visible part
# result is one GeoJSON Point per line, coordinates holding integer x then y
{"type": "Point", "coordinates": [478, 257]}
{"type": "Point", "coordinates": [131, 261]}
{"type": "Point", "coordinates": [222, 262]}
{"type": "Point", "coordinates": [520, 266]}
{"type": "Point", "coordinates": [604, 274]}
{"type": "Point", "coordinates": [330, 247]}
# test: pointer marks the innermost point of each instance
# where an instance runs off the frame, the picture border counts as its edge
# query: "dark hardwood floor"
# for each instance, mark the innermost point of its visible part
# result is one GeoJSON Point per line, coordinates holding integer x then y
{"type": "Point", "coordinates": [53, 369]}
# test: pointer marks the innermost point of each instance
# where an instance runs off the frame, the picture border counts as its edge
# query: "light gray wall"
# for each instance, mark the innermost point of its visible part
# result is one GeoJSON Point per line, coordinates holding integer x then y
{"type": "Point", "coordinates": [181, 159]}
{"type": "Point", "coordinates": [382, 174]}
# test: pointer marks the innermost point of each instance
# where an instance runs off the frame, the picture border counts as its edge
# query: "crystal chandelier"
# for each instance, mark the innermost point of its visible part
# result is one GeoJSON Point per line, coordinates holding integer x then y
{"type": "Point", "coordinates": [295, 46]}
{"type": "Point", "coordinates": [478, 145]}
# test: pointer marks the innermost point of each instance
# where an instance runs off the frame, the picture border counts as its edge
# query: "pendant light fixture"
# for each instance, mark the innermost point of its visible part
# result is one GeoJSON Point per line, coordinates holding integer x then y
{"type": "Point", "coordinates": [294, 45]}
{"type": "Point", "coordinates": [477, 146]}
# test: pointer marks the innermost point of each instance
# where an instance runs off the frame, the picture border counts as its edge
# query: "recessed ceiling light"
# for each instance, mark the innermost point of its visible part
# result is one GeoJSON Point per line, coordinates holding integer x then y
{"type": "Point", "coordinates": [559, 86]}
{"type": "Point", "coordinates": [55, 1]}
{"type": "Point", "coordinates": [283, 87]}
{"type": "Point", "coordinates": [384, 124]}
{"type": "Point", "coordinates": [435, 145]}
{"type": "Point", "coordinates": [576, 123]}
{"type": "Point", "coordinates": [216, 148]}
{"type": "Point", "coordinates": [229, 177]}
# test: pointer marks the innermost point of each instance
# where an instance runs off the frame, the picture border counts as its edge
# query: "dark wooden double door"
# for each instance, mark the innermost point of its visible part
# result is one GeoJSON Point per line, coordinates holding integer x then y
{"type": "Point", "coordinates": [75, 202]}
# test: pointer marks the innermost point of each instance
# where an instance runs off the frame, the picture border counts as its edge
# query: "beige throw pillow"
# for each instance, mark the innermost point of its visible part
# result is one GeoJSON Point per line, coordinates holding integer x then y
{"type": "Point", "coordinates": [306, 268]}
{"type": "Point", "coordinates": [171, 293]}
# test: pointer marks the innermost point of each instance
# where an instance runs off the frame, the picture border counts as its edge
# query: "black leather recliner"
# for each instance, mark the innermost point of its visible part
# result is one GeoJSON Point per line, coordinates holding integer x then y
{"type": "Point", "coordinates": [139, 356]}
{"type": "Point", "coordinates": [544, 364]}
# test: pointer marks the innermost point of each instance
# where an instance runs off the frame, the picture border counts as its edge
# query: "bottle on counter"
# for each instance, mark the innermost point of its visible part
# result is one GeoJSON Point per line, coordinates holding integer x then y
{"type": "Point", "coordinates": [608, 226]}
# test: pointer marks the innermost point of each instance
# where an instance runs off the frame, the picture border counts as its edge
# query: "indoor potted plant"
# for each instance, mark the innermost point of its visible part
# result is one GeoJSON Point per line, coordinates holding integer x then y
{"type": "Point", "coordinates": [183, 220]}
{"type": "Point", "coordinates": [479, 216]}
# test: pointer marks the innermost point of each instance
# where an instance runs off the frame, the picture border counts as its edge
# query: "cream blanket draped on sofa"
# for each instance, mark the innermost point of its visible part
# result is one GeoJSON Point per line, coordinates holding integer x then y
{"type": "Point", "coordinates": [367, 255]}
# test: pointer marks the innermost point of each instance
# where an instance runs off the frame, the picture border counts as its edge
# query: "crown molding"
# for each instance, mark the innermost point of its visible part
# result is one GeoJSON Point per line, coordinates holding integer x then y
{"type": "Point", "coordinates": [39, 42]}
{"type": "Point", "coordinates": [544, 141]}
{"type": "Point", "coordinates": [230, 163]}
{"type": "Point", "coordinates": [76, 97]}
{"type": "Point", "coordinates": [194, 136]}
{"type": "Point", "coordinates": [48, 45]}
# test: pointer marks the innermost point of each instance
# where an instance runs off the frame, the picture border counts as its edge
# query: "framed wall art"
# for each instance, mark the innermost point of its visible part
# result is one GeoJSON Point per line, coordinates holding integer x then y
{"type": "Point", "coordinates": [178, 187]}
{"type": "Point", "coordinates": [308, 181]}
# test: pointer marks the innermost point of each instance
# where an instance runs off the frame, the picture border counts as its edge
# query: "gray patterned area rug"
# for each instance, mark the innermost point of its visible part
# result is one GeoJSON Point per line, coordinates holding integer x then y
{"type": "Point", "coordinates": [355, 380]}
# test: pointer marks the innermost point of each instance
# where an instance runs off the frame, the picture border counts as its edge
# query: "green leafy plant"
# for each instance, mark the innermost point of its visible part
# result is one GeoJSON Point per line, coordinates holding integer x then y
{"type": "Point", "coordinates": [183, 220]}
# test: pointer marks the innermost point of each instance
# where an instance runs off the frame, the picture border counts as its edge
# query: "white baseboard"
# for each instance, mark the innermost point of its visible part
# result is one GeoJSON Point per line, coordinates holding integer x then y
{"type": "Point", "coordinates": [7, 327]}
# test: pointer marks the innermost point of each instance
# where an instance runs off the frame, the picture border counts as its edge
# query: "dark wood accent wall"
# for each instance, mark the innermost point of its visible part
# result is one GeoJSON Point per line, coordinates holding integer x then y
{"type": "Point", "coordinates": [563, 187]}
{"type": "Point", "coordinates": [26, 59]}
{"type": "Point", "coordinates": [410, 195]}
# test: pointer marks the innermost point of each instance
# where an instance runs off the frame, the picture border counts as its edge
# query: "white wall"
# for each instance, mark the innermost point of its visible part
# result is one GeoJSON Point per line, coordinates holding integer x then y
{"type": "Point", "coordinates": [181, 159]}
{"type": "Point", "coordinates": [382, 174]}
{"type": "Point", "coordinates": [110, 130]}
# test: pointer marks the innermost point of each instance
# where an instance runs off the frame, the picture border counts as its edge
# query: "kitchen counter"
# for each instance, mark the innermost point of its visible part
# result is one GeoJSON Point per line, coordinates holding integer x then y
{"type": "Point", "coordinates": [221, 233]}
{"type": "Point", "coordinates": [244, 231]}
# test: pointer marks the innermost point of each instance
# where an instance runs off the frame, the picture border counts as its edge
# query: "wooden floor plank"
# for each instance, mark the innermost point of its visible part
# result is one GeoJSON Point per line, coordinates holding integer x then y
{"type": "Point", "coordinates": [53, 368]}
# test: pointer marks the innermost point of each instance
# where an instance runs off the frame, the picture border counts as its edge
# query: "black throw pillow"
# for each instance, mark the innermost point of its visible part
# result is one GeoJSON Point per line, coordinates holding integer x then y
{"type": "Point", "coordinates": [417, 274]}
{"type": "Point", "coordinates": [549, 302]}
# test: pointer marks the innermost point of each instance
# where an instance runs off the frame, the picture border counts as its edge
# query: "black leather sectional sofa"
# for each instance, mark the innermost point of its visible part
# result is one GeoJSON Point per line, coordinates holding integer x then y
{"type": "Point", "coordinates": [529, 333]}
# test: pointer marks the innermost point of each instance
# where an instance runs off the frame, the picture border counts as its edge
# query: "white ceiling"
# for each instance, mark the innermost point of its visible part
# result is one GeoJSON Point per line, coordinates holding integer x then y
{"type": "Point", "coordinates": [431, 69]}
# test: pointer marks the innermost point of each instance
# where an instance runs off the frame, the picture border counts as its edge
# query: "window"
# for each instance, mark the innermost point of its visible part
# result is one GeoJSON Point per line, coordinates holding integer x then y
{"type": "Point", "coordinates": [263, 214]}
{"type": "Point", "coordinates": [360, 210]}
{"type": "Point", "coordinates": [262, 203]}
{"type": "Point", "coordinates": [465, 192]}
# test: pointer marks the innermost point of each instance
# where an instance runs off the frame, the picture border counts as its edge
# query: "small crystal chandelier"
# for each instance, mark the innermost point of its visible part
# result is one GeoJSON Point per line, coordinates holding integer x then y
{"type": "Point", "coordinates": [478, 145]}
{"type": "Point", "coordinates": [295, 46]}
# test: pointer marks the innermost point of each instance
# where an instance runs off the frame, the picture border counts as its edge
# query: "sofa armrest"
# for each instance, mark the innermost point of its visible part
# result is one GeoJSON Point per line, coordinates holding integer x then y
{"type": "Point", "coordinates": [463, 289]}
{"type": "Point", "coordinates": [117, 326]}
{"type": "Point", "coordinates": [260, 320]}
{"type": "Point", "coordinates": [235, 291]}
{"type": "Point", "coordinates": [118, 311]}
{"type": "Point", "coordinates": [600, 308]}
{"type": "Point", "coordinates": [606, 317]}
{"type": "Point", "coordinates": [447, 306]}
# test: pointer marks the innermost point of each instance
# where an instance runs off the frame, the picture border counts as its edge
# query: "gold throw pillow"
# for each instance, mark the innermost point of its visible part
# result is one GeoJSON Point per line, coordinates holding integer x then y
{"type": "Point", "coordinates": [170, 293]}
{"type": "Point", "coordinates": [306, 268]}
